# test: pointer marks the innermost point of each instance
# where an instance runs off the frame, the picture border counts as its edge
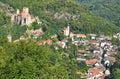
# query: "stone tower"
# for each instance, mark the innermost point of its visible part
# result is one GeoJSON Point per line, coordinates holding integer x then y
{"type": "Point", "coordinates": [26, 10]}
{"type": "Point", "coordinates": [18, 11]}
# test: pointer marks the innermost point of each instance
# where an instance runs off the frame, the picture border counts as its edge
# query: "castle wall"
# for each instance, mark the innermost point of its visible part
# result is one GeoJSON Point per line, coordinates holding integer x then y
{"type": "Point", "coordinates": [23, 18]}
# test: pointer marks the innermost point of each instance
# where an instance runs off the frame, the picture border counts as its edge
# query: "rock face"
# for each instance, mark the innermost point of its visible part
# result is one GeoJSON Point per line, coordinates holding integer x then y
{"type": "Point", "coordinates": [6, 9]}
{"type": "Point", "coordinates": [23, 18]}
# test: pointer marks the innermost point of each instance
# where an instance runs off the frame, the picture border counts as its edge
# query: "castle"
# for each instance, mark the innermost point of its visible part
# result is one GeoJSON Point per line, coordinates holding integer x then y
{"type": "Point", "coordinates": [22, 18]}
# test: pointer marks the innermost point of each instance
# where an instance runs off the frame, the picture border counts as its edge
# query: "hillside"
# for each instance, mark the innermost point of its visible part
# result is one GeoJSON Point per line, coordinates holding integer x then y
{"type": "Point", "coordinates": [46, 48]}
{"type": "Point", "coordinates": [58, 13]}
{"type": "Point", "coordinates": [108, 9]}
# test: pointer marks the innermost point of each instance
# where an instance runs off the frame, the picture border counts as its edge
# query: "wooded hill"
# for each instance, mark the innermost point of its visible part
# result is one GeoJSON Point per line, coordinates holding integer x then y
{"type": "Point", "coordinates": [108, 9]}
{"type": "Point", "coordinates": [56, 14]}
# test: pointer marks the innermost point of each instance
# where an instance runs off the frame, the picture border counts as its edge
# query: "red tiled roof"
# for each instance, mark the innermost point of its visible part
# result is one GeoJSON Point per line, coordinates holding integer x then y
{"type": "Point", "coordinates": [49, 41]}
{"type": "Point", "coordinates": [38, 32]}
{"type": "Point", "coordinates": [40, 43]}
{"type": "Point", "coordinates": [65, 28]}
{"type": "Point", "coordinates": [80, 35]}
{"type": "Point", "coordinates": [91, 61]}
{"type": "Point", "coordinates": [81, 51]}
{"type": "Point", "coordinates": [108, 42]}
{"type": "Point", "coordinates": [94, 71]}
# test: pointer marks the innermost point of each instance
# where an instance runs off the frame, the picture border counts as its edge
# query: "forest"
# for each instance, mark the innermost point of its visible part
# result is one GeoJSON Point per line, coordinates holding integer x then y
{"type": "Point", "coordinates": [108, 9]}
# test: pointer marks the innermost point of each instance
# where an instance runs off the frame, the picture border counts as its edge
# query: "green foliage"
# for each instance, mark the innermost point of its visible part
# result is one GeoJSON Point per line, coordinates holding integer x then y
{"type": "Point", "coordinates": [3, 19]}
{"type": "Point", "coordinates": [116, 73]}
{"type": "Point", "coordinates": [27, 60]}
{"type": "Point", "coordinates": [116, 66]}
{"type": "Point", "coordinates": [86, 22]}
{"type": "Point", "coordinates": [16, 31]}
{"type": "Point", "coordinates": [108, 9]}
{"type": "Point", "coordinates": [116, 41]}
{"type": "Point", "coordinates": [35, 25]}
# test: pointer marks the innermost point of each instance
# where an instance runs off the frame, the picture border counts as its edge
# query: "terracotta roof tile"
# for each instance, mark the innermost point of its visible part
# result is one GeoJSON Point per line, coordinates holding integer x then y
{"type": "Point", "coordinates": [80, 35]}
{"type": "Point", "coordinates": [49, 41]}
{"type": "Point", "coordinates": [91, 61]}
{"type": "Point", "coordinates": [40, 43]}
{"type": "Point", "coordinates": [81, 51]}
{"type": "Point", "coordinates": [65, 28]}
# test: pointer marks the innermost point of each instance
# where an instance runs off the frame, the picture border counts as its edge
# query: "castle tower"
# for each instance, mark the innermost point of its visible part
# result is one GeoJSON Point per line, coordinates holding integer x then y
{"type": "Point", "coordinates": [26, 10]}
{"type": "Point", "coordinates": [9, 38]}
{"type": "Point", "coordinates": [18, 11]}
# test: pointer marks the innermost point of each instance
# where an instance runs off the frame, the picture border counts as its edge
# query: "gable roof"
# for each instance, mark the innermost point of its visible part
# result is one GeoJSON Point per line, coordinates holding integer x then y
{"type": "Point", "coordinates": [39, 42]}
{"type": "Point", "coordinates": [94, 71]}
{"type": "Point", "coordinates": [91, 61]}
{"type": "Point", "coordinates": [81, 35]}
{"type": "Point", "coordinates": [81, 51]}
{"type": "Point", "coordinates": [49, 41]}
{"type": "Point", "coordinates": [65, 28]}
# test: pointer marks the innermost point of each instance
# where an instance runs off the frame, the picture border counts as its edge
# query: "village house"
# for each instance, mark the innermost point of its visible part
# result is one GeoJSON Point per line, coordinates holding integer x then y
{"type": "Point", "coordinates": [80, 35]}
{"type": "Point", "coordinates": [91, 61]}
{"type": "Point", "coordinates": [81, 51]}
{"type": "Point", "coordinates": [71, 34]}
{"type": "Point", "coordinates": [117, 36]}
{"type": "Point", "coordinates": [110, 53]}
{"type": "Point", "coordinates": [108, 37]}
{"type": "Point", "coordinates": [101, 37]}
{"type": "Point", "coordinates": [49, 41]}
{"type": "Point", "coordinates": [62, 44]}
{"type": "Point", "coordinates": [107, 72]}
{"type": "Point", "coordinates": [109, 60]}
{"type": "Point", "coordinates": [102, 44]}
{"type": "Point", "coordinates": [36, 33]}
{"type": "Point", "coordinates": [22, 38]}
{"type": "Point", "coordinates": [93, 36]}
{"type": "Point", "coordinates": [23, 18]}
{"type": "Point", "coordinates": [40, 42]}
{"type": "Point", "coordinates": [96, 55]}
{"type": "Point", "coordinates": [95, 73]}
